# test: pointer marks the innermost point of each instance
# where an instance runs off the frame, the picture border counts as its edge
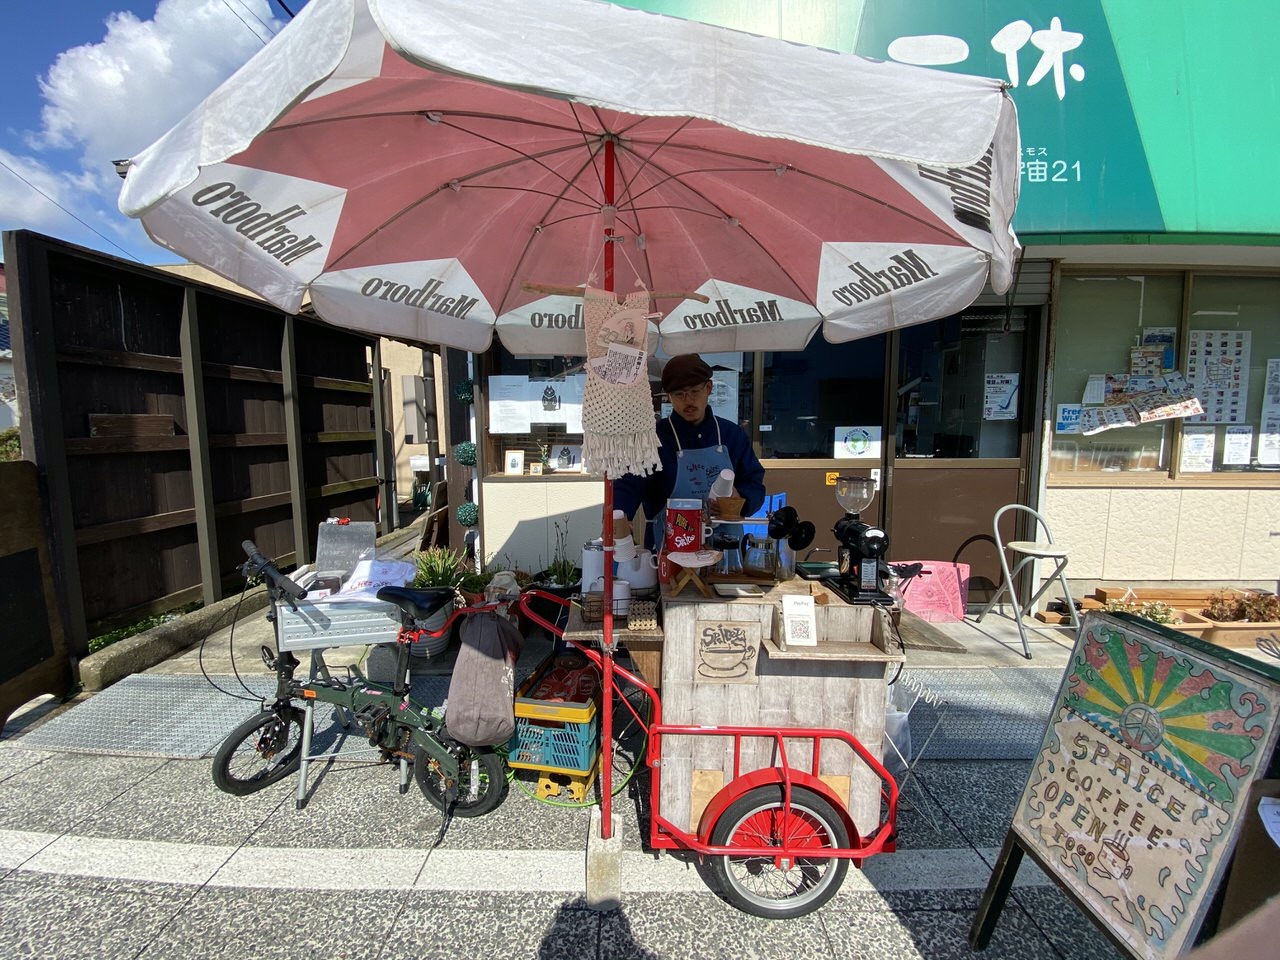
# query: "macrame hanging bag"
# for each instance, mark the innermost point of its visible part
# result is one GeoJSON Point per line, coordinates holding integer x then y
{"type": "Point", "coordinates": [618, 427]}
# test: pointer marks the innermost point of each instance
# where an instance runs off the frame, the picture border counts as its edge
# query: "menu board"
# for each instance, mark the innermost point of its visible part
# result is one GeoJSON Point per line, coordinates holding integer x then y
{"type": "Point", "coordinates": [1135, 799]}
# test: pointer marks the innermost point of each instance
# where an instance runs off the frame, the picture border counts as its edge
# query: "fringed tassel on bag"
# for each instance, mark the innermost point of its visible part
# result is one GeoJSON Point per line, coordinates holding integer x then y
{"type": "Point", "coordinates": [616, 454]}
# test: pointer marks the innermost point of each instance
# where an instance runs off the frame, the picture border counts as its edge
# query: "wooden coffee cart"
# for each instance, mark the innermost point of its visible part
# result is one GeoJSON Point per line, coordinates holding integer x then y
{"type": "Point", "coordinates": [725, 662]}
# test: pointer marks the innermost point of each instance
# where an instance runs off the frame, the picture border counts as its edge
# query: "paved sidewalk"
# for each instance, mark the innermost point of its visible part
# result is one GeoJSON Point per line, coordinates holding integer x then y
{"type": "Point", "coordinates": [117, 856]}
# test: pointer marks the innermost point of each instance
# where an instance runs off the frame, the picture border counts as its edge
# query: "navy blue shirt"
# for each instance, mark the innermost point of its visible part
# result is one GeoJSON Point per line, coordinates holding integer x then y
{"type": "Point", "coordinates": [652, 492]}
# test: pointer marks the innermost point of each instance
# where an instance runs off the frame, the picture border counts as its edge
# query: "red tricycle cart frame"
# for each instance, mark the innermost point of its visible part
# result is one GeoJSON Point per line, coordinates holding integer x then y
{"type": "Point", "coordinates": [766, 821]}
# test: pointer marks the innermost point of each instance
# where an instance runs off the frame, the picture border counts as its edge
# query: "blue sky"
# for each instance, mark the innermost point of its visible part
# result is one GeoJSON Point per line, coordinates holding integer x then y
{"type": "Point", "coordinates": [86, 82]}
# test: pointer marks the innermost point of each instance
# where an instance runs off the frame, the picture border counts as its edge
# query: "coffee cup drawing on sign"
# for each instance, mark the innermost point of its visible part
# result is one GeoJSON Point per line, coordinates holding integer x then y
{"type": "Point", "coordinates": [724, 652]}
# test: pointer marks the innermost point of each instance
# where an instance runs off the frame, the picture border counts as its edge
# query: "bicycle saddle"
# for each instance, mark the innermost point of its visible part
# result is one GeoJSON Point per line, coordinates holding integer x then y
{"type": "Point", "coordinates": [417, 603]}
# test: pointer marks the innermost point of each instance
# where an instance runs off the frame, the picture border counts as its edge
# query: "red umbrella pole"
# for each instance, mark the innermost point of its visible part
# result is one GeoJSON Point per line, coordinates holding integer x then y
{"type": "Point", "coordinates": [606, 661]}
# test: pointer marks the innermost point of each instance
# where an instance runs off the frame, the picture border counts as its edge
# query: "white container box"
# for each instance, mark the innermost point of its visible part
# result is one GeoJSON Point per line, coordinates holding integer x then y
{"type": "Point", "coordinates": [316, 624]}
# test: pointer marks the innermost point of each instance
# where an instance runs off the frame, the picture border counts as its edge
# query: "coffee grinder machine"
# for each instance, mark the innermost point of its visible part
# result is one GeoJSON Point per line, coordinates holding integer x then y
{"type": "Point", "coordinates": [861, 545]}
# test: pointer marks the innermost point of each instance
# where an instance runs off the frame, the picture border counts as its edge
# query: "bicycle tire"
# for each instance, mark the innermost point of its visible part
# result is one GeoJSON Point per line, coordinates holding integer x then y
{"type": "Point", "coordinates": [479, 790]}
{"type": "Point", "coordinates": [756, 885]}
{"type": "Point", "coordinates": [263, 750]}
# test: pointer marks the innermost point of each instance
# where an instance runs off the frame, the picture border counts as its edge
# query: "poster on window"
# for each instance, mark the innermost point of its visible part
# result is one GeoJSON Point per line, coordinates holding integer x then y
{"type": "Point", "coordinates": [512, 402]}
{"type": "Point", "coordinates": [1218, 369]}
{"type": "Point", "coordinates": [1161, 337]}
{"type": "Point", "coordinates": [1269, 437]}
{"type": "Point", "coordinates": [1237, 449]}
{"type": "Point", "coordinates": [1197, 449]}
{"type": "Point", "coordinates": [1000, 397]}
{"type": "Point", "coordinates": [1068, 420]}
{"type": "Point", "coordinates": [856, 443]}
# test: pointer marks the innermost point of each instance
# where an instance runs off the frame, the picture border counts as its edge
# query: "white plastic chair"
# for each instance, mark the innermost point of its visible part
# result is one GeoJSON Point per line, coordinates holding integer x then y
{"type": "Point", "coordinates": [1028, 552]}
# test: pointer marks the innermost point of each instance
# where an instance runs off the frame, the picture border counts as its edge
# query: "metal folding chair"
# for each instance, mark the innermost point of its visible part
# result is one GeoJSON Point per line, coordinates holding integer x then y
{"type": "Point", "coordinates": [1028, 552]}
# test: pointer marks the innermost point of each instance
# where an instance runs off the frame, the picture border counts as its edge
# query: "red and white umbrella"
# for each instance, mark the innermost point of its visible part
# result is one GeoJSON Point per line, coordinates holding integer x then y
{"type": "Point", "coordinates": [415, 166]}
{"type": "Point", "coordinates": [433, 170]}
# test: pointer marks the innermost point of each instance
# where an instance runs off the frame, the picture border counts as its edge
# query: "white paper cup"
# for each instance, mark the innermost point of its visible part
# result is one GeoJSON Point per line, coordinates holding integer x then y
{"type": "Point", "coordinates": [624, 549]}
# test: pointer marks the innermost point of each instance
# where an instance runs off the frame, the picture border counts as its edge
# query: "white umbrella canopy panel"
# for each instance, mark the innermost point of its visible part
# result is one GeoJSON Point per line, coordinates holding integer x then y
{"type": "Point", "coordinates": [412, 163]}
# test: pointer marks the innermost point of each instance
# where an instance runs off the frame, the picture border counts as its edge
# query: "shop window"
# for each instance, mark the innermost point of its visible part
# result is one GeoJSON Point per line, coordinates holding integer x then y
{"type": "Point", "coordinates": [823, 402]}
{"type": "Point", "coordinates": [1116, 336]}
{"type": "Point", "coordinates": [534, 414]}
{"type": "Point", "coordinates": [960, 386]}
{"type": "Point", "coordinates": [1233, 363]}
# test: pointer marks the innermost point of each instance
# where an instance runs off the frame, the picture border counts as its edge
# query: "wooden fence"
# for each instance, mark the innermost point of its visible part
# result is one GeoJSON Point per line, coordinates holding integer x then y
{"type": "Point", "coordinates": [170, 420]}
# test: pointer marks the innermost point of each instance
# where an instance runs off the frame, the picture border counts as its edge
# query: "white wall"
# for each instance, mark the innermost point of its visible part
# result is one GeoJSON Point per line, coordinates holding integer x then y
{"type": "Point", "coordinates": [517, 518]}
{"type": "Point", "coordinates": [1119, 534]}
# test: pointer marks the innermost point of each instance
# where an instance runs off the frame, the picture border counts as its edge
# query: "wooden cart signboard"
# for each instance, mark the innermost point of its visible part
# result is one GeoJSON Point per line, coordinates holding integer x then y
{"type": "Point", "coordinates": [1135, 799]}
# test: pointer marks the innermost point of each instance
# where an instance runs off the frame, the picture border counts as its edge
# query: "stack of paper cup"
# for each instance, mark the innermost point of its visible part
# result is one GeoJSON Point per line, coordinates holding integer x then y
{"type": "Point", "coordinates": [723, 487]}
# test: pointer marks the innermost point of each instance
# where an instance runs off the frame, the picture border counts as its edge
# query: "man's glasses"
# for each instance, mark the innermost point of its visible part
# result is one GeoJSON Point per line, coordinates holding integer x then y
{"type": "Point", "coordinates": [689, 393]}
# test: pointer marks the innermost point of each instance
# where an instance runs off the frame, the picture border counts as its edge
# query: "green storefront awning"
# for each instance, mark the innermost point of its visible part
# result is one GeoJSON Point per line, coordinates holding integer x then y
{"type": "Point", "coordinates": [1137, 116]}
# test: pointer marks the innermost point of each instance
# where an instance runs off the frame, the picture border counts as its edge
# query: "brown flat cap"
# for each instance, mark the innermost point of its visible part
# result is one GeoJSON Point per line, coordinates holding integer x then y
{"type": "Point", "coordinates": [686, 370]}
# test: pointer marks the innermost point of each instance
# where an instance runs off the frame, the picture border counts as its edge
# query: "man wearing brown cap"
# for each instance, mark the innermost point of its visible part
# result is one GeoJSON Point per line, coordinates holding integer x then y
{"type": "Point", "coordinates": [694, 446]}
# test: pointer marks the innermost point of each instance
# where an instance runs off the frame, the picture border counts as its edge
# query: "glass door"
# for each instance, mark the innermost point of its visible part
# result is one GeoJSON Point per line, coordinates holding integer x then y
{"type": "Point", "coordinates": [962, 410]}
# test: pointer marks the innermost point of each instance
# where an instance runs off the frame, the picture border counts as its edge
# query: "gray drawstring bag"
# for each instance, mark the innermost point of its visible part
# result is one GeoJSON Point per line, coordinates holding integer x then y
{"type": "Point", "coordinates": [481, 709]}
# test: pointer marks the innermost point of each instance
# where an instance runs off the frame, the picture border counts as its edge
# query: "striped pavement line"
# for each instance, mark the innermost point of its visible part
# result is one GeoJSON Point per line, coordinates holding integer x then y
{"type": "Point", "coordinates": [517, 871]}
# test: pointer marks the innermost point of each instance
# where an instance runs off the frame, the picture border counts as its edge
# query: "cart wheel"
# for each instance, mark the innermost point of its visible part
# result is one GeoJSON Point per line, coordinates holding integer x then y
{"type": "Point", "coordinates": [758, 885]}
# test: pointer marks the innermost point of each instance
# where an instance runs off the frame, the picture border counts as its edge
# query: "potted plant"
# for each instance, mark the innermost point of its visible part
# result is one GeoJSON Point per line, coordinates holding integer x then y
{"type": "Point", "coordinates": [562, 576]}
{"type": "Point", "coordinates": [1237, 618]}
{"type": "Point", "coordinates": [437, 567]}
{"type": "Point", "coordinates": [472, 586]}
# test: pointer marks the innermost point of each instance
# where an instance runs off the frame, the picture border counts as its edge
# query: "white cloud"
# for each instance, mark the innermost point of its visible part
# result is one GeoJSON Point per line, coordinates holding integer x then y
{"type": "Point", "coordinates": [108, 100]}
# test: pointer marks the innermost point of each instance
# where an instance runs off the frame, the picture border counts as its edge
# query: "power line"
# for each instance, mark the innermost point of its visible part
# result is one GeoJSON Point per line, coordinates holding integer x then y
{"type": "Point", "coordinates": [280, 4]}
{"type": "Point", "coordinates": [68, 212]}
{"type": "Point", "coordinates": [227, 4]}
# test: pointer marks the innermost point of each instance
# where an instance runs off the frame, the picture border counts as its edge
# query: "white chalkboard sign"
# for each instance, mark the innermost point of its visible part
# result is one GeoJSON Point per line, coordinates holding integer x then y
{"type": "Point", "coordinates": [1135, 799]}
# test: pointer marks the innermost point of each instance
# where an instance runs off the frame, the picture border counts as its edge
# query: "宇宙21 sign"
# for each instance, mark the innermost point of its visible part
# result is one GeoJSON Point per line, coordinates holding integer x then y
{"type": "Point", "coordinates": [727, 651]}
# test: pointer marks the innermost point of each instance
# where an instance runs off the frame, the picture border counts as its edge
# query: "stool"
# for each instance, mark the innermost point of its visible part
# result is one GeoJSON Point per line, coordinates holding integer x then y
{"type": "Point", "coordinates": [689, 575]}
{"type": "Point", "coordinates": [1028, 552]}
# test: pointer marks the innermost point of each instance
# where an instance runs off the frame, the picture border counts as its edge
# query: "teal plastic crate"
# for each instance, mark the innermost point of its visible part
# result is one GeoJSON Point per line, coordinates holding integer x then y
{"type": "Point", "coordinates": [555, 746]}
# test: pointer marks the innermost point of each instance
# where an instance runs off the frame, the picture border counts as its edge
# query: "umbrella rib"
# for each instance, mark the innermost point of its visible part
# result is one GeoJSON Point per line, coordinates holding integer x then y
{"type": "Point", "coordinates": [783, 270]}
{"type": "Point", "coordinates": [515, 270]}
{"type": "Point", "coordinates": [772, 167]}
{"type": "Point", "coordinates": [403, 211]}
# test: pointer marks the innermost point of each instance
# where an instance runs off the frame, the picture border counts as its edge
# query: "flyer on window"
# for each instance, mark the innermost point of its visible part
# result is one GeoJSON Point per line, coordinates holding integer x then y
{"type": "Point", "coordinates": [1269, 436]}
{"type": "Point", "coordinates": [1000, 397]}
{"type": "Point", "coordinates": [511, 404]}
{"type": "Point", "coordinates": [1163, 338]}
{"type": "Point", "coordinates": [1237, 449]}
{"type": "Point", "coordinates": [1218, 368]}
{"type": "Point", "coordinates": [1197, 449]}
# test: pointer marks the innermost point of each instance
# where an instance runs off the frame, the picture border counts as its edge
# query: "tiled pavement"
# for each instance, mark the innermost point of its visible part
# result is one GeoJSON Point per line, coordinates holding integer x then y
{"type": "Point", "coordinates": [113, 856]}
